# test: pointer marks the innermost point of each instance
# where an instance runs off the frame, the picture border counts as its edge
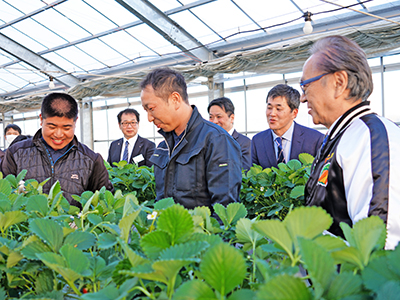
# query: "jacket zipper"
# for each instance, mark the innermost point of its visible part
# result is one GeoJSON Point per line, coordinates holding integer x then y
{"type": "Point", "coordinates": [52, 163]}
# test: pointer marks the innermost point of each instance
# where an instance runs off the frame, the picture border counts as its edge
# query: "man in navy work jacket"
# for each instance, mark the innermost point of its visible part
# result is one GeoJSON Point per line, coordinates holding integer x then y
{"type": "Point", "coordinates": [356, 172]}
{"type": "Point", "coordinates": [132, 148]}
{"type": "Point", "coordinates": [222, 113]}
{"type": "Point", "coordinates": [199, 163]}
{"type": "Point", "coordinates": [285, 139]}
{"type": "Point", "coordinates": [54, 152]}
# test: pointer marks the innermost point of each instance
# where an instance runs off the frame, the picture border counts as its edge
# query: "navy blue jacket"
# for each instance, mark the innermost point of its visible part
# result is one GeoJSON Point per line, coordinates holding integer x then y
{"type": "Point", "coordinates": [142, 146]}
{"type": "Point", "coordinates": [305, 140]}
{"type": "Point", "coordinates": [204, 168]}
{"type": "Point", "coordinates": [245, 147]}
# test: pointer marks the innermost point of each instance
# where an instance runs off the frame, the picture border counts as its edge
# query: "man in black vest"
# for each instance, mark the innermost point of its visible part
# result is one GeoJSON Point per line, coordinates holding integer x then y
{"type": "Point", "coordinates": [54, 152]}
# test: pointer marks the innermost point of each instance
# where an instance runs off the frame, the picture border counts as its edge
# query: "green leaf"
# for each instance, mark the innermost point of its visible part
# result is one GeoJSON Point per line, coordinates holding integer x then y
{"type": "Point", "coordinates": [306, 158]}
{"type": "Point", "coordinates": [276, 231]}
{"type": "Point", "coordinates": [126, 224]}
{"type": "Point", "coordinates": [330, 243]}
{"type": "Point", "coordinates": [297, 191]}
{"type": "Point", "coordinates": [294, 164]}
{"type": "Point", "coordinates": [223, 267]}
{"type": "Point", "coordinates": [319, 264]}
{"type": "Point", "coordinates": [54, 191]}
{"type": "Point", "coordinates": [344, 285]}
{"type": "Point", "coordinates": [13, 258]}
{"type": "Point", "coordinates": [154, 242]}
{"type": "Point", "coordinates": [80, 240]}
{"type": "Point", "coordinates": [10, 218]}
{"type": "Point", "coordinates": [94, 219]}
{"type": "Point", "coordinates": [39, 204]}
{"type": "Point", "coordinates": [220, 210]}
{"type": "Point", "coordinates": [194, 289]}
{"type": "Point", "coordinates": [131, 204]}
{"type": "Point", "coordinates": [307, 222]}
{"type": "Point", "coordinates": [390, 290]}
{"type": "Point", "coordinates": [177, 222]}
{"type": "Point", "coordinates": [369, 234]}
{"type": "Point", "coordinates": [348, 233]}
{"type": "Point", "coordinates": [12, 180]}
{"type": "Point", "coordinates": [5, 205]}
{"type": "Point", "coordinates": [21, 175]}
{"type": "Point", "coordinates": [184, 251]}
{"type": "Point", "coordinates": [49, 231]}
{"type": "Point", "coordinates": [382, 269]}
{"type": "Point", "coordinates": [350, 255]}
{"type": "Point", "coordinates": [284, 287]}
{"type": "Point", "coordinates": [94, 199]}
{"type": "Point", "coordinates": [235, 211]}
{"type": "Point", "coordinates": [5, 187]}
{"type": "Point", "coordinates": [108, 293]}
{"type": "Point", "coordinates": [242, 294]}
{"type": "Point", "coordinates": [163, 204]}
{"type": "Point", "coordinates": [245, 233]}
{"type": "Point", "coordinates": [134, 258]}
{"type": "Point", "coordinates": [44, 282]}
{"type": "Point", "coordinates": [30, 250]}
{"type": "Point", "coordinates": [75, 259]}
{"type": "Point", "coordinates": [106, 240]}
{"type": "Point", "coordinates": [145, 271]}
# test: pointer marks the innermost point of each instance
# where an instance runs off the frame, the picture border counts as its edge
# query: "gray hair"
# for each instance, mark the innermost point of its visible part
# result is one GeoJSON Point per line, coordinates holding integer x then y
{"type": "Point", "coordinates": [338, 53]}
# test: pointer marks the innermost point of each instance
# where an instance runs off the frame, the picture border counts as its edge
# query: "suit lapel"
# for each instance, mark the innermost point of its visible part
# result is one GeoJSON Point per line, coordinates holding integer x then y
{"type": "Point", "coordinates": [117, 152]}
{"type": "Point", "coordinates": [269, 146]}
{"type": "Point", "coordinates": [297, 143]}
{"type": "Point", "coordinates": [136, 149]}
{"type": "Point", "coordinates": [235, 135]}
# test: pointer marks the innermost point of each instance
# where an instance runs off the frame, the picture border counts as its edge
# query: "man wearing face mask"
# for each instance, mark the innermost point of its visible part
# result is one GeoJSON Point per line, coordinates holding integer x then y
{"type": "Point", "coordinates": [10, 133]}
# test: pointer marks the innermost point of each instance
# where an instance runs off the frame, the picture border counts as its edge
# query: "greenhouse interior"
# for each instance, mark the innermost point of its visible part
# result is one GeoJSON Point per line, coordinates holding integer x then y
{"type": "Point", "coordinates": [126, 246]}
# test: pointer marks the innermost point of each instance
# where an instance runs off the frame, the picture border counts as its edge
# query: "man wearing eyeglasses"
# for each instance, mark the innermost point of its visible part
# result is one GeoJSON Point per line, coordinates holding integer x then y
{"type": "Point", "coordinates": [132, 148]}
{"type": "Point", "coordinates": [355, 173]}
{"type": "Point", "coordinates": [285, 139]}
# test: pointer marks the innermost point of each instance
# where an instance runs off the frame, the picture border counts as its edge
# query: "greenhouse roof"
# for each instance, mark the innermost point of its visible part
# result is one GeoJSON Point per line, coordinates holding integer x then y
{"type": "Point", "coordinates": [104, 47]}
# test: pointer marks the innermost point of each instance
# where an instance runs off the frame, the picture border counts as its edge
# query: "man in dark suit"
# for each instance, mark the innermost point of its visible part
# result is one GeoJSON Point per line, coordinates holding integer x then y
{"type": "Point", "coordinates": [285, 139]}
{"type": "Point", "coordinates": [222, 113]}
{"type": "Point", "coordinates": [132, 147]}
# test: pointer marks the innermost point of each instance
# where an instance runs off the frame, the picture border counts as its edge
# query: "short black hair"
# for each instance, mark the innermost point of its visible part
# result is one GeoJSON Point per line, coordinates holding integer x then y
{"type": "Point", "coordinates": [225, 103]}
{"type": "Point", "coordinates": [12, 126]}
{"type": "Point", "coordinates": [291, 95]}
{"type": "Point", "coordinates": [59, 105]}
{"type": "Point", "coordinates": [128, 111]}
{"type": "Point", "coordinates": [164, 82]}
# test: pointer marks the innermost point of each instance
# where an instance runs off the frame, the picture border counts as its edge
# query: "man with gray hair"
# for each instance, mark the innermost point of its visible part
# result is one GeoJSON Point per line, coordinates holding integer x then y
{"type": "Point", "coordinates": [354, 173]}
{"type": "Point", "coordinates": [285, 139]}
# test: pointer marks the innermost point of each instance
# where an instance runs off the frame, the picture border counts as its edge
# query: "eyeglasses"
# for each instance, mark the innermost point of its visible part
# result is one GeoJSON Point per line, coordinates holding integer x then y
{"type": "Point", "coordinates": [311, 80]}
{"type": "Point", "coordinates": [126, 124]}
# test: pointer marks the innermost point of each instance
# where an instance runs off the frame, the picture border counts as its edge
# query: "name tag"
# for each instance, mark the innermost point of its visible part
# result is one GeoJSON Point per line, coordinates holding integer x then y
{"type": "Point", "coordinates": [138, 159]}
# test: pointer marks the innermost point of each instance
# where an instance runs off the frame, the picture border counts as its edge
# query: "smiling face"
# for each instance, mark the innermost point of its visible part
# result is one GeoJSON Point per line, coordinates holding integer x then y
{"type": "Point", "coordinates": [320, 94]}
{"type": "Point", "coordinates": [58, 132]}
{"type": "Point", "coordinates": [279, 115]}
{"type": "Point", "coordinates": [129, 125]}
{"type": "Point", "coordinates": [162, 113]}
{"type": "Point", "coordinates": [220, 117]}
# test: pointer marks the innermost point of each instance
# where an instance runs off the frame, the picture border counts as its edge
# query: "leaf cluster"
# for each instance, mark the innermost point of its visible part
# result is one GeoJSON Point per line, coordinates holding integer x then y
{"type": "Point", "coordinates": [272, 192]}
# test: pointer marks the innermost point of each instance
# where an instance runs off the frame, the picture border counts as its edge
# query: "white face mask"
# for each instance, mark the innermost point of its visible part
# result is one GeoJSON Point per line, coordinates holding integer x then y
{"type": "Point", "coordinates": [10, 138]}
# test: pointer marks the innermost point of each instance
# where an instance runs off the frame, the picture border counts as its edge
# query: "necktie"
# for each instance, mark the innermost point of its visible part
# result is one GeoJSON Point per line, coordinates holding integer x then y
{"type": "Point", "coordinates": [125, 156]}
{"type": "Point", "coordinates": [280, 157]}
